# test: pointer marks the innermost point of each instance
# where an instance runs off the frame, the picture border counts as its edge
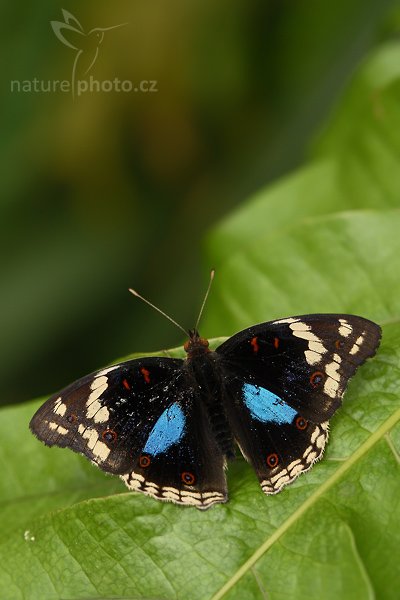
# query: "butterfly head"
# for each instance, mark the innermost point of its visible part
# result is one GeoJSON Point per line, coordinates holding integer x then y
{"type": "Point", "coordinates": [195, 345]}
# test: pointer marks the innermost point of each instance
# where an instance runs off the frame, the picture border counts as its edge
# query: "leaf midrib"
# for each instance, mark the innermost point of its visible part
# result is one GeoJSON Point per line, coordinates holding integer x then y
{"type": "Point", "coordinates": [265, 546]}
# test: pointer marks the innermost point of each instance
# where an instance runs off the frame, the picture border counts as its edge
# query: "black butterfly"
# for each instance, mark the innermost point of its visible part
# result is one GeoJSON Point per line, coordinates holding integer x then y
{"type": "Point", "coordinates": [167, 426]}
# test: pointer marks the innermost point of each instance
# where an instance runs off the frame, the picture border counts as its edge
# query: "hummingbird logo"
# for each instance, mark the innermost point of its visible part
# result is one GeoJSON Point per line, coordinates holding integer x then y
{"type": "Point", "coordinates": [86, 44]}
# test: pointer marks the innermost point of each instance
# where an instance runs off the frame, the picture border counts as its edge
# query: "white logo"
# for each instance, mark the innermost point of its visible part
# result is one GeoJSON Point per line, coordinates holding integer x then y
{"type": "Point", "coordinates": [86, 44]}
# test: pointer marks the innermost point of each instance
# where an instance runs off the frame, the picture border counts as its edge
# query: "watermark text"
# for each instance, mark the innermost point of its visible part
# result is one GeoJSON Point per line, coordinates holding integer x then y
{"type": "Point", "coordinates": [83, 86]}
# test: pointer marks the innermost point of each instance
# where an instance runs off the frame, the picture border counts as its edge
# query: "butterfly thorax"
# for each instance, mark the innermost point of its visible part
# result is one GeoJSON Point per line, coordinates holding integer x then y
{"type": "Point", "coordinates": [203, 367]}
{"type": "Point", "coordinates": [196, 345]}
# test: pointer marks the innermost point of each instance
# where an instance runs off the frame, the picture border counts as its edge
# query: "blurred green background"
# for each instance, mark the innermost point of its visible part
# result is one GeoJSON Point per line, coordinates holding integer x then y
{"type": "Point", "coordinates": [115, 190]}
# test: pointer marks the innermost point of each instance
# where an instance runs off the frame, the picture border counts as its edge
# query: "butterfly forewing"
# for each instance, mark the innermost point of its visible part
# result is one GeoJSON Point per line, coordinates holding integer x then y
{"type": "Point", "coordinates": [106, 415]}
{"type": "Point", "coordinates": [307, 359]}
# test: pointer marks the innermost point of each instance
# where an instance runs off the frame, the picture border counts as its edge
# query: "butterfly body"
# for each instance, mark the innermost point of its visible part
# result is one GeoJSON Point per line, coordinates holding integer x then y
{"type": "Point", "coordinates": [168, 426]}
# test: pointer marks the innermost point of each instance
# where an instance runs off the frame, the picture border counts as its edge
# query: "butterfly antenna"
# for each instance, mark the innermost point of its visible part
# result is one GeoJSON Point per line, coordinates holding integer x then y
{"type": "Point", "coordinates": [205, 298]}
{"type": "Point", "coordinates": [134, 292]}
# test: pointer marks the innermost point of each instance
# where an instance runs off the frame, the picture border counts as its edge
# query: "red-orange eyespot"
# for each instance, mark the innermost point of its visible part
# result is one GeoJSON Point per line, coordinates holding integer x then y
{"type": "Point", "coordinates": [272, 460]}
{"type": "Point", "coordinates": [71, 418]}
{"type": "Point", "coordinates": [126, 384]}
{"type": "Point", "coordinates": [339, 344]}
{"type": "Point", "coordinates": [109, 436]}
{"type": "Point", "coordinates": [188, 478]}
{"type": "Point", "coordinates": [316, 378]}
{"type": "Point", "coordinates": [301, 423]}
{"type": "Point", "coordinates": [255, 344]}
{"type": "Point", "coordinates": [144, 461]}
{"type": "Point", "coordinates": [146, 374]}
{"type": "Point", "coordinates": [276, 343]}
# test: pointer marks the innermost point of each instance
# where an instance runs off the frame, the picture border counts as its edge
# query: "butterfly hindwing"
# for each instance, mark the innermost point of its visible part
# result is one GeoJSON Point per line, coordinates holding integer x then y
{"type": "Point", "coordinates": [140, 420]}
{"type": "Point", "coordinates": [191, 472]}
{"type": "Point", "coordinates": [284, 380]}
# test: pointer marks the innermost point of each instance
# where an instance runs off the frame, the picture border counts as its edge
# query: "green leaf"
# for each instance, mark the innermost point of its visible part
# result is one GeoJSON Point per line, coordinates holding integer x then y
{"type": "Point", "coordinates": [347, 262]}
{"type": "Point", "coordinates": [355, 165]}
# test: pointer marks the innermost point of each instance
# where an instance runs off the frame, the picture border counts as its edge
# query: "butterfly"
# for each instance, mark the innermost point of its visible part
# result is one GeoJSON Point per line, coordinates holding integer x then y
{"type": "Point", "coordinates": [169, 426]}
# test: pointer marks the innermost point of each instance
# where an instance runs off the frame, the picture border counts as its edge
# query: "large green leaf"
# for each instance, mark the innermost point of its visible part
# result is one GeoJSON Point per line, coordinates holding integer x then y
{"type": "Point", "coordinates": [69, 531]}
{"type": "Point", "coordinates": [355, 165]}
{"type": "Point", "coordinates": [349, 262]}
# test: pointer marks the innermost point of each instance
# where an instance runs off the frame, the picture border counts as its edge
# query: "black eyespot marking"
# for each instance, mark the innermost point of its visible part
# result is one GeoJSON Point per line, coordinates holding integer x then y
{"type": "Point", "coordinates": [109, 436]}
{"type": "Point", "coordinates": [144, 461]}
{"type": "Point", "coordinates": [316, 378]}
{"type": "Point", "coordinates": [272, 460]}
{"type": "Point", "coordinates": [301, 423]}
{"type": "Point", "coordinates": [72, 418]}
{"type": "Point", "coordinates": [188, 478]}
{"type": "Point", "coordinates": [339, 344]}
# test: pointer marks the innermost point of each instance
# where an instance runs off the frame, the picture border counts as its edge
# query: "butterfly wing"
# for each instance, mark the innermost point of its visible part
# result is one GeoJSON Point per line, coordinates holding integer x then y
{"type": "Point", "coordinates": [284, 380]}
{"type": "Point", "coordinates": [141, 420]}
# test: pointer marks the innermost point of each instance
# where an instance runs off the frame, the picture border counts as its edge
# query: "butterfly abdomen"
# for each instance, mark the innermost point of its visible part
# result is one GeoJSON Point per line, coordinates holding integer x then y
{"type": "Point", "coordinates": [205, 372]}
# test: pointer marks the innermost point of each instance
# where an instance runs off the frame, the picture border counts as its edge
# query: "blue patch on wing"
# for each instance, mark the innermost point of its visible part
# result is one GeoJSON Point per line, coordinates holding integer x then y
{"type": "Point", "coordinates": [266, 406]}
{"type": "Point", "coordinates": [167, 431]}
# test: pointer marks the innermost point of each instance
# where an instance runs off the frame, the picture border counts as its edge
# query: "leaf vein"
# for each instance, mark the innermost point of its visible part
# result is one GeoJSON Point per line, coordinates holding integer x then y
{"type": "Point", "coordinates": [311, 500]}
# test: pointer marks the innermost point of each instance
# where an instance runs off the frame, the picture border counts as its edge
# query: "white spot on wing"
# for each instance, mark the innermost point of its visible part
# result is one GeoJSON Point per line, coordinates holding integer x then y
{"type": "Point", "coordinates": [356, 347]}
{"type": "Point", "coordinates": [201, 500]}
{"type": "Point", "coordinates": [300, 326]}
{"type": "Point", "coordinates": [296, 471]}
{"type": "Point", "coordinates": [107, 370]}
{"type": "Point", "coordinates": [306, 335]}
{"type": "Point", "coordinates": [173, 496]}
{"type": "Point", "coordinates": [311, 457]}
{"type": "Point", "coordinates": [331, 370]}
{"type": "Point", "coordinates": [95, 410]}
{"type": "Point", "coordinates": [345, 328]}
{"type": "Point", "coordinates": [187, 494]}
{"type": "Point", "coordinates": [96, 393]}
{"type": "Point", "coordinates": [314, 435]}
{"type": "Point", "coordinates": [313, 358]}
{"type": "Point", "coordinates": [331, 387]}
{"type": "Point", "coordinates": [91, 436]}
{"type": "Point", "coordinates": [282, 480]}
{"type": "Point", "coordinates": [293, 464]}
{"type": "Point", "coordinates": [307, 451]}
{"type": "Point", "coordinates": [54, 427]}
{"type": "Point", "coordinates": [278, 476]}
{"type": "Point", "coordinates": [315, 347]}
{"type": "Point", "coordinates": [98, 382]}
{"type": "Point", "coordinates": [102, 415]}
{"type": "Point", "coordinates": [284, 321]}
{"type": "Point", "coordinates": [59, 407]}
{"type": "Point", "coordinates": [99, 449]}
